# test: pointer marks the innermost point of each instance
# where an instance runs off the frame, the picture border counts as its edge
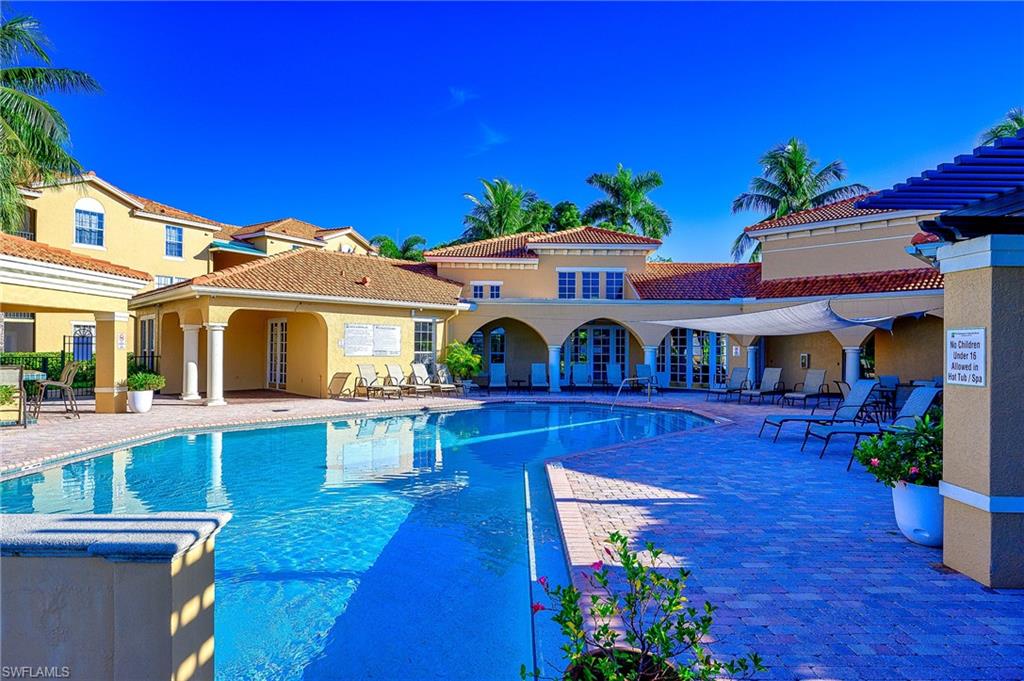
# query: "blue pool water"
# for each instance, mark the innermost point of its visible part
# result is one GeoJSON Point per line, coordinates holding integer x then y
{"type": "Point", "coordinates": [378, 548]}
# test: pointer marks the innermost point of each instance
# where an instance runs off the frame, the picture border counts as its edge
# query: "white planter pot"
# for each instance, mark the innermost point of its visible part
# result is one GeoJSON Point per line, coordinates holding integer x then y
{"type": "Point", "coordinates": [918, 513]}
{"type": "Point", "coordinates": [140, 401]}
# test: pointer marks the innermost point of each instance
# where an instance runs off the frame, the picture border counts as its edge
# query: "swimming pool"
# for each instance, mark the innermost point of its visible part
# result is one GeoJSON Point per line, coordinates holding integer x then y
{"type": "Point", "coordinates": [376, 548]}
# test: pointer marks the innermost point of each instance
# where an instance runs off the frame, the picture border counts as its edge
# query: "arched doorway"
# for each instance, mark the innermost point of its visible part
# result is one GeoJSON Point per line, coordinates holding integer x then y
{"type": "Point", "coordinates": [598, 344]}
{"type": "Point", "coordinates": [511, 342]}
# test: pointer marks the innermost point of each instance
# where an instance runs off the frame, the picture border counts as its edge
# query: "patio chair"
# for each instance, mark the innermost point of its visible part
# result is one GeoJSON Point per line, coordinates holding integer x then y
{"type": "Point", "coordinates": [614, 376]}
{"type": "Point", "coordinates": [371, 384]}
{"type": "Point", "coordinates": [813, 385]}
{"type": "Point", "coordinates": [581, 377]}
{"type": "Point", "coordinates": [737, 382]}
{"type": "Point", "coordinates": [336, 388]}
{"type": "Point", "coordinates": [444, 376]}
{"type": "Point", "coordinates": [66, 386]}
{"type": "Point", "coordinates": [408, 386]}
{"type": "Point", "coordinates": [916, 406]}
{"type": "Point", "coordinates": [850, 409]}
{"type": "Point", "coordinates": [539, 376]}
{"type": "Point", "coordinates": [771, 385]}
{"type": "Point", "coordinates": [645, 378]}
{"type": "Point", "coordinates": [420, 375]}
{"type": "Point", "coordinates": [13, 376]}
{"type": "Point", "coordinates": [498, 379]}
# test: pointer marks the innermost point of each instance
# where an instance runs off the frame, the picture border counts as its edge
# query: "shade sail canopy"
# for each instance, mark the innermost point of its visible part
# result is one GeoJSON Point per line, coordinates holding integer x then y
{"type": "Point", "coordinates": [786, 321]}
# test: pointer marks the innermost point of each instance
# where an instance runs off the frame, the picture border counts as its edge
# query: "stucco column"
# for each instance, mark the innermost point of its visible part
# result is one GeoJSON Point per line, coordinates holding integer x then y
{"type": "Point", "coordinates": [190, 363]}
{"type": "Point", "coordinates": [651, 356]}
{"type": "Point", "coordinates": [554, 368]}
{"type": "Point", "coordinates": [983, 472]}
{"type": "Point", "coordinates": [752, 364]}
{"type": "Point", "coordinates": [851, 372]}
{"type": "Point", "coordinates": [111, 362]}
{"type": "Point", "coordinates": [215, 364]}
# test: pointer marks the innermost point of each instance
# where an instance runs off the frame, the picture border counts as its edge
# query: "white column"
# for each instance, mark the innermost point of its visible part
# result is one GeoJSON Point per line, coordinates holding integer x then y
{"type": "Point", "coordinates": [851, 372]}
{"type": "Point", "coordinates": [215, 364]}
{"type": "Point", "coordinates": [190, 363]}
{"type": "Point", "coordinates": [752, 364]}
{"type": "Point", "coordinates": [651, 356]}
{"type": "Point", "coordinates": [554, 371]}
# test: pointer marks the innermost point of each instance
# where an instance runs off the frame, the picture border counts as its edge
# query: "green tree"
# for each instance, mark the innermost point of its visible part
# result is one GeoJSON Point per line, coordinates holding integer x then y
{"type": "Point", "coordinates": [502, 209]}
{"type": "Point", "coordinates": [1008, 127]}
{"type": "Point", "coordinates": [411, 248]}
{"type": "Point", "coordinates": [566, 215]}
{"type": "Point", "coordinates": [538, 216]}
{"type": "Point", "coordinates": [627, 207]}
{"type": "Point", "coordinates": [34, 137]}
{"type": "Point", "coordinates": [790, 182]}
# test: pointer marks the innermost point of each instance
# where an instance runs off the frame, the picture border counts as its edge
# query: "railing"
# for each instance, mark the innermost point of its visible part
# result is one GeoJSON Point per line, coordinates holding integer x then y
{"type": "Point", "coordinates": [144, 361]}
{"type": "Point", "coordinates": [31, 236]}
{"type": "Point", "coordinates": [649, 381]}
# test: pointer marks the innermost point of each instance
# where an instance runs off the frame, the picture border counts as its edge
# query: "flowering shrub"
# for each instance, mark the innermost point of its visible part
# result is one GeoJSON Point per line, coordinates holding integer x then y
{"type": "Point", "coordinates": [911, 455]}
{"type": "Point", "coordinates": [648, 632]}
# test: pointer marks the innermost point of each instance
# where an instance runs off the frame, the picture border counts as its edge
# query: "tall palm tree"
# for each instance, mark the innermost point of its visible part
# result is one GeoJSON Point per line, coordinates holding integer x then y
{"type": "Point", "coordinates": [790, 182]}
{"type": "Point", "coordinates": [1008, 127]}
{"type": "Point", "coordinates": [503, 209]}
{"type": "Point", "coordinates": [409, 250]}
{"type": "Point", "coordinates": [627, 207]}
{"type": "Point", "coordinates": [33, 135]}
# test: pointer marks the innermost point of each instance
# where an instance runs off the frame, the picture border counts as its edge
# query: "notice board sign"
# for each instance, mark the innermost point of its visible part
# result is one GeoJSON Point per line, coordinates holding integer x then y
{"type": "Point", "coordinates": [359, 340]}
{"type": "Point", "coordinates": [372, 340]}
{"type": "Point", "coordinates": [387, 341]}
{"type": "Point", "coordinates": [965, 357]}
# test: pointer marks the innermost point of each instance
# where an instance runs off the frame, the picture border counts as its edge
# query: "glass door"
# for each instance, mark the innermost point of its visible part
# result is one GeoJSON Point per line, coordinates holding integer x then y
{"type": "Point", "coordinates": [277, 354]}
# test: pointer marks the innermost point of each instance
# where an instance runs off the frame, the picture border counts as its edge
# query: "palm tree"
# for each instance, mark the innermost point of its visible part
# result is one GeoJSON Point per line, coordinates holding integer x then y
{"type": "Point", "coordinates": [503, 209]}
{"type": "Point", "coordinates": [790, 182]}
{"type": "Point", "coordinates": [33, 135]}
{"type": "Point", "coordinates": [1008, 127]}
{"type": "Point", "coordinates": [409, 250]}
{"type": "Point", "coordinates": [627, 208]}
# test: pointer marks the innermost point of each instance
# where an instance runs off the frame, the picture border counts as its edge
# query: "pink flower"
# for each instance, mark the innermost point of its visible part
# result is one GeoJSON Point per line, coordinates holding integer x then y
{"type": "Point", "coordinates": [543, 581]}
{"type": "Point", "coordinates": [874, 463]}
{"type": "Point", "coordinates": [913, 470]}
{"type": "Point", "coordinates": [537, 607]}
{"type": "Point", "coordinates": [597, 567]}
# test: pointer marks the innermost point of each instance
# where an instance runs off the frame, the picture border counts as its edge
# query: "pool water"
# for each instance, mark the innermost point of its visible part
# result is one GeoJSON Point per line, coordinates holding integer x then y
{"type": "Point", "coordinates": [377, 548]}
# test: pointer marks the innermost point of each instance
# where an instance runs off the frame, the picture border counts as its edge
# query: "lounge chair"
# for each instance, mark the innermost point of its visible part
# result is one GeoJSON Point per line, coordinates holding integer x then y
{"type": "Point", "coordinates": [813, 385]}
{"type": "Point", "coordinates": [498, 379]}
{"type": "Point", "coordinates": [850, 409]}
{"type": "Point", "coordinates": [539, 376]}
{"type": "Point", "coordinates": [420, 375]}
{"type": "Point", "coordinates": [915, 407]}
{"type": "Point", "coordinates": [444, 376]}
{"type": "Point", "coordinates": [336, 388]}
{"type": "Point", "coordinates": [614, 376]}
{"type": "Point", "coordinates": [581, 377]}
{"type": "Point", "coordinates": [771, 385]}
{"type": "Point", "coordinates": [408, 385]}
{"type": "Point", "coordinates": [13, 376]}
{"type": "Point", "coordinates": [645, 378]}
{"type": "Point", "coordinates": [66, 386]}
{"type": "Point", "coordinates": [370, 384]}
{"type": "Point", "coordinates": [737, 382]}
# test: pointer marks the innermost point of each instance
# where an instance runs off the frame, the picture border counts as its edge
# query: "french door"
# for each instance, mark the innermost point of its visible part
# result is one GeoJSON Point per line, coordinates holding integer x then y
{"type": "Point", "coordinates": [596, 347]}
{"type": "Point", "coordinates": [277, 354]}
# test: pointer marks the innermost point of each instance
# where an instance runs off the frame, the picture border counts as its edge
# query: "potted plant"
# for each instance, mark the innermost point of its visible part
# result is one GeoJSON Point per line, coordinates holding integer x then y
{"type": "Point", "coordinates": [909, 460]}
{"type": "Point", "coordinates": [140, 390]}
{"type": "Point", "coordinates": [645, 631]}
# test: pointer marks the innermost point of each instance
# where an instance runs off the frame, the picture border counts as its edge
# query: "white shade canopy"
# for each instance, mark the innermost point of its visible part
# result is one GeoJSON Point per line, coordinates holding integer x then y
{"type": "Point", "coordinates": [786, 321]}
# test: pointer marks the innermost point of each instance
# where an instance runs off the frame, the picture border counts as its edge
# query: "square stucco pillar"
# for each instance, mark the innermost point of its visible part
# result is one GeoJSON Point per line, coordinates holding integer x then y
{"type": "Point", "coordinates": [111, 362]}
{"type": "Point", "coordinates": [983, 468]}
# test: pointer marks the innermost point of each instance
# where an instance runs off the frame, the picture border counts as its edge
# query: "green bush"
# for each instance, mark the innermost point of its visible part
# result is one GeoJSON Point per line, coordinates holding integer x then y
{"type": "Point", "coordinates": [462, 361]}
{"type": "Point", "coordinates": [911, 455]}
{"type": "Point", "coordinates": [142, 380]}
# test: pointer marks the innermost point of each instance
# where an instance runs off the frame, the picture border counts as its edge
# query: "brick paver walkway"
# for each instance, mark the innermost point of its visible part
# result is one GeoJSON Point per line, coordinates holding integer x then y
{"type": "Point", "coordinates": [803, 559]}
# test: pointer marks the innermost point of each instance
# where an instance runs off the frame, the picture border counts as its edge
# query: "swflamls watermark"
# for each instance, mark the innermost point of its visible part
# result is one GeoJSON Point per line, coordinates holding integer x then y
{"type": "Point", "coordinates": [29, 672]}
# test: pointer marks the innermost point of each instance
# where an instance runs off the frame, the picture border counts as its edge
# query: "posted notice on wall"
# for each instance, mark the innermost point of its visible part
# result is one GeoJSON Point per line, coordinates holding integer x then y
{"type": "Point", "coordinates": [372, 340]}
{"type": "Point", "coordinates": [387, 340]}
{"type": "Point", "coordinates": [965, 357]}
{"type": "Point", "coordinates": [359, 340]}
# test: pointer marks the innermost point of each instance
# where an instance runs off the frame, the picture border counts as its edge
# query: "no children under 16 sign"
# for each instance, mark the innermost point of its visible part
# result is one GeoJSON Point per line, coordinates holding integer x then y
{"type": "Point", "coordinates": [965, 357]}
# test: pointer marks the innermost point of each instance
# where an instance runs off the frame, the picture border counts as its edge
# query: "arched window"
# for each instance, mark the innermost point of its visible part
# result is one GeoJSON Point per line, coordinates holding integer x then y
{"type": "Point", "coordinates": [89, 217]}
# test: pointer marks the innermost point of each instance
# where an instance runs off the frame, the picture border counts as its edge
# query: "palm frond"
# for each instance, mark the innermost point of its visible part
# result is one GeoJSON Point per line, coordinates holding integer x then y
{"type": "Point", "coordinates": [40, 80]}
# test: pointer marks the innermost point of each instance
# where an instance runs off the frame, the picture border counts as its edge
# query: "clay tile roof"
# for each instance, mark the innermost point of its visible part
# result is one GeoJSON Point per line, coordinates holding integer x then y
{"type": "Point", "coordinates": [839, 210]}
{"type": "Point", "coordinates": [286, 226]}
{"type": "Point", "coordinates": [518, 245]}
{"type": "Point", "coordinates": [722, 281]}
{"type": "Point", "coordinates": [151, 206]}
{"type": "Point", "coordinates": [17, 247]}
{"type": "Point", "coordinates": [314, 271]}
{"type": "Point", "coordinates": [924, 238]}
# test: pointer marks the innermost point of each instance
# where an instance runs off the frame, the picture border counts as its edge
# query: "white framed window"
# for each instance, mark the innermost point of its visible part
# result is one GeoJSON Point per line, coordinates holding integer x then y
{"type": "Point", "coordinates": [613, 285]}
{"type": "Point", "coordinates": [591, 284]}
{"type": "Point", "coordinates": [478, 291]}
{"type": "Point", "coordinates": [162, 280]}
{"type": "Point", "coordinates": [495, 291]}
{"type": "Point", "coordinates": [566, 285]}
{"type": "Point", "coordinates": [89, 222]}
{"type": "Point", "coordinates": [174, 238]}
{"type": "Point", "coordinates": [424, 345]}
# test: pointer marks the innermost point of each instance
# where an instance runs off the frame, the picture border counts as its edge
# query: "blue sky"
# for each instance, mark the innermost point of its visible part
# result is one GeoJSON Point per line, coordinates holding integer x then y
{"type": "Point", "coordinates": [381, 116]}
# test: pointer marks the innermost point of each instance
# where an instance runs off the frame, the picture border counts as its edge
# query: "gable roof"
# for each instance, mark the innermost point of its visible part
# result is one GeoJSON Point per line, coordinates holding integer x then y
{"type": "Point", "coordinates": [332, 274]}
{"type": "Point", "coordinates": [286, 227]}
{"type": "Point", "coordinates": [724, 281]}
{"type": "Point", "coordinates": [18, 247]}
{"type": "Point", "coordinates": [519, 245]}
{"type": "Point", "coordinates": [838, 210]}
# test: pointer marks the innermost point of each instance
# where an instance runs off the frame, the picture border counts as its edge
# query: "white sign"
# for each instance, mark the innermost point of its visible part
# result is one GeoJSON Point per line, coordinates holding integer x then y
{"type": "Point", "coordinates": [359, 340]}
{"type": "Point", "coordinates": [735, 351]}
{"type": "Point", "coordinates": [122, 340]}
{"type": "Point", "coordinates": [965, 357]}
{"type": "Point", "coordinates": [387, 341]}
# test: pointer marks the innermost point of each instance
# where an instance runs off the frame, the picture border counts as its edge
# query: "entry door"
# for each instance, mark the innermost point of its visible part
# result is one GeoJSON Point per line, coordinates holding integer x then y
{"type": "Point", "coordinates": [610, 347]}
{"type": "Point", "coordinates": [277, 354]}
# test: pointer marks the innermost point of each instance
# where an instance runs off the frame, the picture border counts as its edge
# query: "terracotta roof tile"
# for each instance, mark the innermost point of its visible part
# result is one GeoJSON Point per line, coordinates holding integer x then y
{"type": "Point", "coordinates": [839, 210]}
{"type": "Point", "coordinates": [924, 238]}
{"type": "Point", "coordinates": [722, 281]}
{"type": "Point", "coordinates": [151, 206]}
{"type": "Point", "coordinates": [33, 250]}
{"type": "Point", "coordinates": [287, 226]}
{"type": "Point", "coordinates": [314, 271]}
{"type": "Point", "coordinates": [517, 245]}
